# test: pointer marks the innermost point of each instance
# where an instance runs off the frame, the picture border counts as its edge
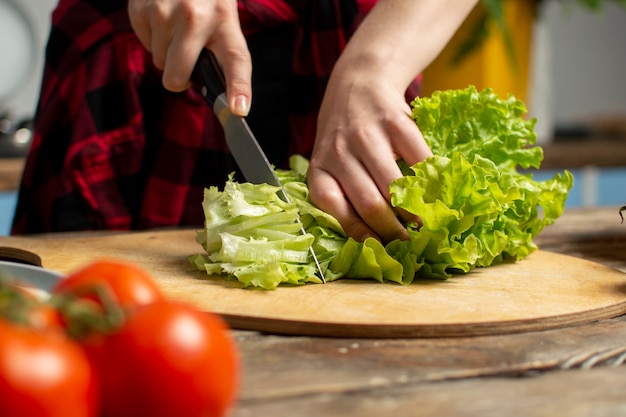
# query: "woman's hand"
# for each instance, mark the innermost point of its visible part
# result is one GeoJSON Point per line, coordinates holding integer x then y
{"type": "Point", "coordinates": [175, 31]}
{"type": "Point", "coordinates": [364, 128]}
{"type": "Point", "coordinates": [364, 125]}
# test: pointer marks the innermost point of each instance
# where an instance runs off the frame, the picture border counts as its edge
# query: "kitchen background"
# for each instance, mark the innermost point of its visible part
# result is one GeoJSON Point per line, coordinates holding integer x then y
{"type": "Point", "coordinates": [577, 75]}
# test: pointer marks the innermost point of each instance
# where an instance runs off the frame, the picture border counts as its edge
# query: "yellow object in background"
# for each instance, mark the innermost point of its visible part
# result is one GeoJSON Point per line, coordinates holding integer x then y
{"type": "Point", "coordinates": [490, 66]}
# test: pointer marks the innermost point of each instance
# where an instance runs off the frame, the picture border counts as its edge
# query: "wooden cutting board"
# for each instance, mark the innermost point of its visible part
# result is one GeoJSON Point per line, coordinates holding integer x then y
{"type": "Point", "coordinates": [545, 290]}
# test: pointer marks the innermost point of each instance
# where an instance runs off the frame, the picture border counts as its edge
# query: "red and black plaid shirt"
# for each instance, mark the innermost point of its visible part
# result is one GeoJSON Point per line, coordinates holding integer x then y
{"type": "Point", "coordinates": [113, 149]}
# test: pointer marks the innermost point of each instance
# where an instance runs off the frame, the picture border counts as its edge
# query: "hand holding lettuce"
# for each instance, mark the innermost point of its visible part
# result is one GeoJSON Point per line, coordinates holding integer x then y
{"type": "Point", "coordinates": [475, 207]}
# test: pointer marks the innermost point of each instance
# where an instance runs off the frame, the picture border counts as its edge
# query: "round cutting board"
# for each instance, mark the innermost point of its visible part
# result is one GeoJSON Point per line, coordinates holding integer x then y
{"type": "Point", "coordinates": [545, 290]}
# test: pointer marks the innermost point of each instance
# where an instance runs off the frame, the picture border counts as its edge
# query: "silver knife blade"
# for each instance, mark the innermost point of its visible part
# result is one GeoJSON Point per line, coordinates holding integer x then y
{"type": "Point", "coordinates": [244, 147]}
{"type": "Point", "coordinates": [242, 143]}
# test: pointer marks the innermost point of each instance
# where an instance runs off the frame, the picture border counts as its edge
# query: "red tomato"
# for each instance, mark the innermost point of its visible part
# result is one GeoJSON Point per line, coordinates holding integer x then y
{"type": "Point", "coordinates": [130, 285]}
{"type": "Point", "coordinates": [44, 374]}
{"type": "Point", "coordinates": [169, 359]}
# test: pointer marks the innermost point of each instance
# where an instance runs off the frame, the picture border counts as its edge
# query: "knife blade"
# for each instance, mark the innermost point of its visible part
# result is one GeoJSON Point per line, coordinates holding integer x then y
{"type": "Point", "coordinates": [242, 143]}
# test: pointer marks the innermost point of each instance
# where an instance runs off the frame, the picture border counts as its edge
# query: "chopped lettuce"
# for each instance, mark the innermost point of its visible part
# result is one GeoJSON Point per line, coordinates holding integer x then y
{"type": "Point", "coordinates": [476, 208]}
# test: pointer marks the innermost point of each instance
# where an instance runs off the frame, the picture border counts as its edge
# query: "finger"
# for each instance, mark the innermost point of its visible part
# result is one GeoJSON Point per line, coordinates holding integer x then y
{"type": "Point", "coordinates": [140, 23]}
{"type": "Point", "coordinates": [374, 208]}
{"type": "Point", "coordinates": [384, 175]}
{"type": "Point", "coordinates": [327, 195]}
{"type": "Point", "coordinates": [410, 145]}
{"type": "Point", "coordinates": [371, 206]}
{"type": "Point", "coordinates": [408, 141]}
{"type": "Point", "coordinates": [190, 29]}
{"type": "Point", "coordinates": [377, 154]}
{"type": "Point", "coordinates": [381, 163]}
{"type": "Point", "coordinates": [180, 60]}
{"type": "Point", "coordinates": [160, 42]}
{"type": "Point", "coordinates": [232, 52]}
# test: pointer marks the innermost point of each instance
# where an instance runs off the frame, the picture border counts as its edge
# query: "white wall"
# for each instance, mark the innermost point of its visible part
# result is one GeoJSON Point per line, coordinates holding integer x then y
{"type": "Point", "coordinates": [583, 56]}
{"type": "Point", "coordinates": [20, 102]}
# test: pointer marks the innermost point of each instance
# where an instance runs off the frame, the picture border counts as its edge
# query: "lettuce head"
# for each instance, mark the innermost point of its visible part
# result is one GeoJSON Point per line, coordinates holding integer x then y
{"type": "Point", "coordinates": [477, 206]}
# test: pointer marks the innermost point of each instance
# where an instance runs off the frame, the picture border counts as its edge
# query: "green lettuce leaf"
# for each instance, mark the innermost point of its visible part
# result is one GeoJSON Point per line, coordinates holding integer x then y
{"type": "Point", "coordinates": [476, 208]}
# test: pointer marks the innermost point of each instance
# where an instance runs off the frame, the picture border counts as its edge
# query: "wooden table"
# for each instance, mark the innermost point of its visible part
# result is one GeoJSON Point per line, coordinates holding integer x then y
{"type": "Point", "coordinates": [573, 371]}
{"type": "Point", "coordinates": [568, 371]}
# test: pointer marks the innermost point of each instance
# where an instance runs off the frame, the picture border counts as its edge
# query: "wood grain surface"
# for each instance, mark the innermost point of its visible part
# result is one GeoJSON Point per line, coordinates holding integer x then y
{"type": "Point", "coordinates": [544, 291]}
{"type": "Point", "coordinates": [574, 371]}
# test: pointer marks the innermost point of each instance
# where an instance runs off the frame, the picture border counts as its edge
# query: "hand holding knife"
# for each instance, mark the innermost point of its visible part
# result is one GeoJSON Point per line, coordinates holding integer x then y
{"type": "Point", "coordinates": [251, 159]}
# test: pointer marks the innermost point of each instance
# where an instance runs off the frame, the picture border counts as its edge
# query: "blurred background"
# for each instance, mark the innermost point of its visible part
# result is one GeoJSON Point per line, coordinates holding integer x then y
{"type": "Point", "coordinates": [24, 26]}
{"type": "Point", "coordinates": [565, 60]}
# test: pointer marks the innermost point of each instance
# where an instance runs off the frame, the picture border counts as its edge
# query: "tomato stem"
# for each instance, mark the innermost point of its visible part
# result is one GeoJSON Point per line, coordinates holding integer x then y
{"type": "Point", "coordinates": [90, 309]}
{"type": "Point", "coordinates": [14, 302]}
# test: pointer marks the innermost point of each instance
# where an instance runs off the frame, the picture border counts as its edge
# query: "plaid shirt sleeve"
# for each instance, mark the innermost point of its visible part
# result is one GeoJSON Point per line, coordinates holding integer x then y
{"type": "Point", "coordinates": [112, 149]}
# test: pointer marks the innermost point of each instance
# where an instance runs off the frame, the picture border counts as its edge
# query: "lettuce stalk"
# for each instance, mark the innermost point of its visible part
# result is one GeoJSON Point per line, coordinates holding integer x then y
{"type": "Point", "coordinates": [476, 207]}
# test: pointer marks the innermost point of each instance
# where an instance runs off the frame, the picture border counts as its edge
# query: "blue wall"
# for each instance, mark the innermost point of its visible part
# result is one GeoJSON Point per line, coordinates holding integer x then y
{"type": "Point", "coordinates": [594, 187]}
{"type": "Point", "coordinates": [7, 207]}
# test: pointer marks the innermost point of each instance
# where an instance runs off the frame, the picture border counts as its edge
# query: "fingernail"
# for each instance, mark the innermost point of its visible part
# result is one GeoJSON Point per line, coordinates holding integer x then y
{"type": "Point", "coordinates": [367, 236]}
{"type": "Point", "coordinates": [241, 105]}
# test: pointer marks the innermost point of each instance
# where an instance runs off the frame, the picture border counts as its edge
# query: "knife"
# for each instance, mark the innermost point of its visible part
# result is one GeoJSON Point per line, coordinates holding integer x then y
{"type": "Point", "coordinates": [244, 147]}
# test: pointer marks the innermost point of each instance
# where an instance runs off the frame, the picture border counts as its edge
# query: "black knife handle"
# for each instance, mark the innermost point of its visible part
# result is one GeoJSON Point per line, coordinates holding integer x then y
{"type": "Point", "coordinates": [208, 76]}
